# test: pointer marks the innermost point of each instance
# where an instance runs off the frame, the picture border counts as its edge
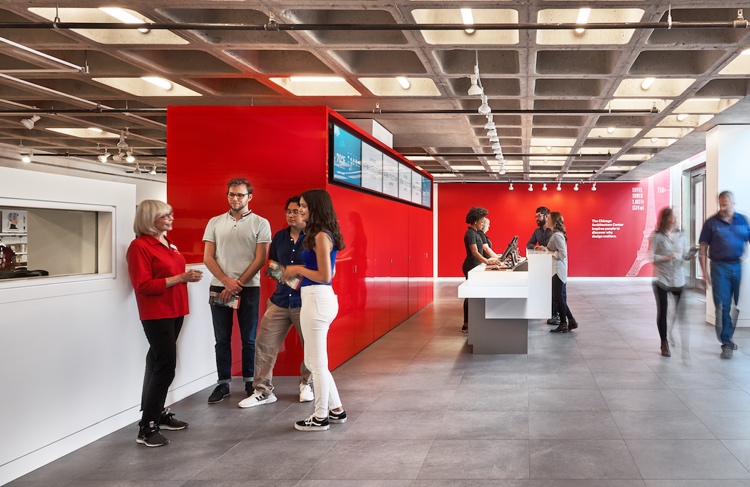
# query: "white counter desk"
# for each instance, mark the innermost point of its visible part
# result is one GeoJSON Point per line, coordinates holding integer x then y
{"type": "Point", "coordinates": [501, 303]}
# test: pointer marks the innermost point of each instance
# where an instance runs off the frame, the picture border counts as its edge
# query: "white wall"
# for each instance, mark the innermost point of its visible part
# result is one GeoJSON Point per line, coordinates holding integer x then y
{"type": "Point", "coordinates": [72, 349]}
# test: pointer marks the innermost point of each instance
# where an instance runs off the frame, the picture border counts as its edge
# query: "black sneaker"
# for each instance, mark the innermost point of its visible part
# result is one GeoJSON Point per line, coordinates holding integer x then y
{"type": "Point", "coordinates": [221, 391]}
{"type": "Point", "coordinates": [312, 424]}
{"type": "Point", "coordinates": [149, 435]}
{"type": "Point", "coordinates": [334, 417]}
{"type": "Point", "coordinates": [555, 320]}
{"type": "Point", "coordinates": [168, 422]}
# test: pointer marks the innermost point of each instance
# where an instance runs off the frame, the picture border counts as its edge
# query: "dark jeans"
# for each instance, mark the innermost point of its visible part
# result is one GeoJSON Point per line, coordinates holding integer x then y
{"type": "Point", "coordinates": [247, 317]}
{"type": "Point", "coordinates": [559, 296]}
{"type": "Point", "coordinates": [725, 282]}
{"type": "Point", "coordinates": [161, 361]}
{"type": "Point", "coordinates": [661, 295]}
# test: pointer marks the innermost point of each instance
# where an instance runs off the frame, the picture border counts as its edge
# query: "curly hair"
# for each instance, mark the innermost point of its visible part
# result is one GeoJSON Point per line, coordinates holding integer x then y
{"type": "Point", "coordinates": [558, 223]}
{"type": "Point", "coordinates": [475, 214]}
{"type": "Point", "coordinates": [320, 217]}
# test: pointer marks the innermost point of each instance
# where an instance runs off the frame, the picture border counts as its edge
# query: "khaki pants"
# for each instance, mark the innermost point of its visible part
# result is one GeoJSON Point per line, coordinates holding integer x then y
{"type": "Point", "coordinates": [273, 329]}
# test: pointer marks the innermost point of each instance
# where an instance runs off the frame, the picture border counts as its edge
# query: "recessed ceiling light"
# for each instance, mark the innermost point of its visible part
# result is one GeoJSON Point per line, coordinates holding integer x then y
{"type": "Point", "coordinates": [654, 139]}
{"type": "Point", "coordinates": [583, 17]}
{"type": "Point", "coordinates": [95, 129]}
{"type": "Point", "coordinates": [746, 52]}
{"type": "Point", "coordinates": [682, 116]}
{"type": "Point", "coordinates": [468, 19]}
{"type": "Point", "coordinates": [647, 83]}
{"type": "Point", "coordinates": [610, 130]}
{"type": "Point", "coordinates": [403, 82]}
{"type": "Point", "coordinates": [160, 82]}
{"type": "Point", "coordinates": [124, 17]}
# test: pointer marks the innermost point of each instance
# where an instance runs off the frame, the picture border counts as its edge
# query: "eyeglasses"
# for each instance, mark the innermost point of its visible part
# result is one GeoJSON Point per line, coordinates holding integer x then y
{"type": "Point", "coordinates": [167, 217]}
{"type": "Point", "coordinates": [292, 212]}
{"type": "Point", "coordinates": [239, 196]}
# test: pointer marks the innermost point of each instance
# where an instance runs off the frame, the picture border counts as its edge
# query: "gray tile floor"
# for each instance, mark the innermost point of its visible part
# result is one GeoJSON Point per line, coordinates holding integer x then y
{"type": "Point", "coordinates": [595, 407]}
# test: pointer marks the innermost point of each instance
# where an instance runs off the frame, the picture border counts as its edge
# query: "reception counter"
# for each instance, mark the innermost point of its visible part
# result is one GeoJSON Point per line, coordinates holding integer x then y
{"type": "Point", "coordinates": [501, 303]}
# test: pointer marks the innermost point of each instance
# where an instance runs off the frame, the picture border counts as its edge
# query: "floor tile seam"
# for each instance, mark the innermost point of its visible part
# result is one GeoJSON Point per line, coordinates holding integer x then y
{"type": "Point", "coordinates": [320, 458]}
{"type": "Point", "coordinates": [733, 455]}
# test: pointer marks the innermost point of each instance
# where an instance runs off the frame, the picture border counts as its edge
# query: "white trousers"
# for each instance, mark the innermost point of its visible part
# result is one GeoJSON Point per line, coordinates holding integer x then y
{"type": "Point", "coordinates": [319, 307]}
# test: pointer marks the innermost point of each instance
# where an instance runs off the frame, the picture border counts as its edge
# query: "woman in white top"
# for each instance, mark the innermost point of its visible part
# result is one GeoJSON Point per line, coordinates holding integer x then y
{"type": "Point", "coordinates": [558, 247]}
{"type": "Point", "coordinates": [668, 248]}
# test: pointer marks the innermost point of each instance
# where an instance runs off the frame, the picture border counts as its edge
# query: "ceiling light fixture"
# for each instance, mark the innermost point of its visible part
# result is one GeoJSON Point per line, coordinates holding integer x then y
{"type": "Point", "coordinates": [654, 140]}
{"type": "Point", "coordinates": [162, 83]}
{"type": "Point", "coordinates": [499, 156]}
{"type": "Point", "coordinates": [29, 122]}
{"type": "Point", "coordinates": [490, 125]}
{"type": "Point", "coordinates": [403, 82]}
{"type": "Point", "coordinates": [103, 157]}
{"type": "Point", "coordinates": [682, 116]}
{"type": "Point", "coordinates": [502, 170]}
{"type": "Point", "coordinates": [315, 79]}
{"type": "Point", "coordinates": [45, 56]}
{"type": "Point", "coordinates": [495, 139]}
{"type": "Point", "coordinates": [474, 89]}
{"type": "Point", "coordinates": [484, 108]}
{"type": "Point", "coordinates": [496, 146]}
{"type": "Point", "coordinates": [468, 19]}
{"type": "Point", "coordinates": [153, 170]}
{"type": "Point", "coordinates": [559, 187]}
{"type": "Point", "coordinates": [575, 188]}
{"type": "Point", "coordinates": [95, 129]}
{"type": "Point", "coordinates": [492, 133]}
{"type": "Point", "coordinates": [130, 157]}
{"type": "Point", "coordinates": [610, 130]}
{"type": "Point", "coordinates": [593, 188]}
{"type": "Point", "coordinates": [26, 158]}
{"type": "Point", "coordinates": [647, 83]}
{"type": "Point", "coordinates": [124, 17]}
{"type": "Point", "coordinates": [122, 144]}
{"type": "Point", "coordinates": [544, 187]}
{"type": "Point", "coordinates": [583, 17]}
{"type": "Point", "coordinates": [510, 188]}
{"type": "Point", "coordinates": [746, 52]}
{"type": "Point", "coordinates": [531, 187]}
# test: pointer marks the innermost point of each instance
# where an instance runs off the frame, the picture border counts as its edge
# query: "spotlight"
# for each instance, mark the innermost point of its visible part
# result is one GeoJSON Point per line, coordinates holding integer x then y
{"type": "Point", "coordinates": [129, 157]}
{"type": "Point", "coordinates": [531, 187]}
{"type": "Point", "coordinates": [499, 157]}
{"type": "Point", "coordinates": [26, 158]}
{"type": "Point", "coordinates": [122, 144]}
{"type": "Point", "coordinates": [153, 170]}
{"type": "Point", "coordinates": [492, 133]}
{"type": "Point", "coordinates": [610, 130]}
{"type": "Point", "coordinates": [559, 187]}
{"type": "Point", "coordinates": [484, 108]}
{"type": "Point", "coordinates": [593, 188]}
{"type": "Point", "coordinates": [575, 188]}
{"type": "Point", "coordinates": [502, 170]}
{"type": "Point", "coordinates": [510, 188]}
{"type": "Point", "coordinates": [544, 187]}
{"type": "Point", "coordinates": [117, 157]}
{"type": "Point", "coordinates": [495, 139]}
{"type": "Point", "coordinates": [29, 122]}
{"type": "Point", "coordinates": [103, 157]}
{"type": "Point", "coordinates": [682, 116]}
{"type": "Point", "coordinates": [490, 125]}
{"type": "Point", "coordinates": [475, 89]}
{"type": "Point", "coordinates": [496, 146]}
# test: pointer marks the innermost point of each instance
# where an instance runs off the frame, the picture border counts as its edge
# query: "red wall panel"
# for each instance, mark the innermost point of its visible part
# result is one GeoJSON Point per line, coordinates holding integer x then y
{"type": "Point", "coordinates": [606, 228]}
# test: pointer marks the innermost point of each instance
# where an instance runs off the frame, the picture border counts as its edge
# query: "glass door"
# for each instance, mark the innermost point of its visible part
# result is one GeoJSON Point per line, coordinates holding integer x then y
{"type": "Point", "coordinates": [697, 206]}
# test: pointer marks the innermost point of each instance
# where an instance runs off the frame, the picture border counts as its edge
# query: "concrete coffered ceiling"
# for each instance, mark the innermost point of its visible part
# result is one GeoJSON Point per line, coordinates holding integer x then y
{"type": "Point", "coordinates": [630, 93]}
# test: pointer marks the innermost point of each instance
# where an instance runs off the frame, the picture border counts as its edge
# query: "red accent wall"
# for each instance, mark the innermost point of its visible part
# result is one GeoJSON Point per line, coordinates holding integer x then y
{"type": "Point", "coordinates": [606, 228]}
{"type": "Point", "coordinates": [383, 274]}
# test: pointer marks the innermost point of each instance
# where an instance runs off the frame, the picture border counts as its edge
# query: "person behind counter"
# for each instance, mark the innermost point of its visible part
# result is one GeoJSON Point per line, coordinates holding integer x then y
{"type": "Point", "coordinates": [473, 242]}
{"type": "Point", "coordinates": [668, 247]}
{"type": "Point", "coordinates": [157, 273]}
{"type": "Point", "coordinates": [320, 304]}
{"type": "Point", "coordinates": [487, 251]}
{"type": "Point", "coordinates": [558, 247]}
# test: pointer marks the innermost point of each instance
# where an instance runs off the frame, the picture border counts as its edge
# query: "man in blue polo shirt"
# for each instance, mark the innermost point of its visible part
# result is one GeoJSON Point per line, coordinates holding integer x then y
{"type": "Point", "coordinates": [724, 236]}
{"type": "Point", "coordinates": [282, 311]}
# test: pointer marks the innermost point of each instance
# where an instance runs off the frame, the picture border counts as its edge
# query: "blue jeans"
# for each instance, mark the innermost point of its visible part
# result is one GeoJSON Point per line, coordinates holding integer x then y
{"type": "Point", "coordinates": [725, 282]}
{"type": "Point", "coordinates": [247, 317]}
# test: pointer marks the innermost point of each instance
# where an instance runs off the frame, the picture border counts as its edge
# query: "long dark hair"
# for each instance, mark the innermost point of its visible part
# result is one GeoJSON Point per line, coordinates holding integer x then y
{"type": "Point", "coordinates": [558, 223]}
{"type": "Point", "coordinates": [664, 219]}
{"type": "Point", "coordinates": [321, 216]}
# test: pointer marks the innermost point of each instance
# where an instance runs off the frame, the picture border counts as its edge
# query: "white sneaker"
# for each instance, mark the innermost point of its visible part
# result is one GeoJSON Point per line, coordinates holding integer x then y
{"type": "Point", "coordinates": [305, 393]}
{"type": "Point", "coordinates": [256, 399]}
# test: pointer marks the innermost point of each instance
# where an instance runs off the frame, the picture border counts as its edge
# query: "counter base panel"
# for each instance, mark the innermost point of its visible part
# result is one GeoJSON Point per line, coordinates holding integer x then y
{"type": "Point", "coordinates": [497, 336]}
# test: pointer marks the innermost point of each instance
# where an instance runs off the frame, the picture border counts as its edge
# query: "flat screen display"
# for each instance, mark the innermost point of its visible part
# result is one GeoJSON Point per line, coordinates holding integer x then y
{"type": "Point", "coordinates": [416, 188]}
{"type": "Point", "coordinates": [426, 192]}
{"type": "Point", "coordinates": [372, 168]}
{"type": "Point", "coordinates": [404, 182]}
{"type": "Point", "coordinates": [347, 157]}
{"type": "Point", "coordinates": [390, 176]}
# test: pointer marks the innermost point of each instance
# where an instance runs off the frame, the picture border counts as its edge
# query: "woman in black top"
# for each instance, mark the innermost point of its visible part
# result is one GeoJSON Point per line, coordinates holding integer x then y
{"type": "Point", "coordinates": [474, 244]}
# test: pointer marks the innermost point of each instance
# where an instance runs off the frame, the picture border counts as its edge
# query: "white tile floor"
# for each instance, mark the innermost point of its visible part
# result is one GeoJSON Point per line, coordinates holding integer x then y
{"type": "Point", "coordinates": [595, 407]}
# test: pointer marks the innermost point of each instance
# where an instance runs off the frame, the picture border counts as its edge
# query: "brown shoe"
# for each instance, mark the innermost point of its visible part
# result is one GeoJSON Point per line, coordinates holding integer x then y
{"type": "Point", "coordinates": [563, 328]}
{"type": "Point", "coordinates": [572, 325]}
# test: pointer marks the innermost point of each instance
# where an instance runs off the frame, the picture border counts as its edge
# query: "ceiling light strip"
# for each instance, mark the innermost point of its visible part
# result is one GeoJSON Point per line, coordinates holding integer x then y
{"type": "Point", "coordinates": [43, 55]}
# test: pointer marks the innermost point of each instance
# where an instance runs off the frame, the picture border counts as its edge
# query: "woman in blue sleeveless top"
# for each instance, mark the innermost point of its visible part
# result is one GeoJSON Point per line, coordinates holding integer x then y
{"type": "Point", "coordinates": [320, 305]}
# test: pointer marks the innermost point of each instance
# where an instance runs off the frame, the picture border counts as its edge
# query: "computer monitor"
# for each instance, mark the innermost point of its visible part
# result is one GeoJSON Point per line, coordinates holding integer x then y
{"type": "Point", "coordinates": [512, 245]}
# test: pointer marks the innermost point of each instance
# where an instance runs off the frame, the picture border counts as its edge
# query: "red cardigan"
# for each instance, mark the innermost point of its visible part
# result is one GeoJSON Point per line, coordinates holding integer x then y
{"type": "Point", "coordinates": [149, 265]}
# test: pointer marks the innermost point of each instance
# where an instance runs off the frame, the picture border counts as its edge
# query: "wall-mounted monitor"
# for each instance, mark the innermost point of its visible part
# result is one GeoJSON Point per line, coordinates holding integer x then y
{"type": "Point", "coordinates": [390, 176]}
{"type": "Point", "coordinates": [404, 182]}
{"type": "Point", "coordinates": [372, 168]}
{"type": "Point", "coordinates": [347, 157]}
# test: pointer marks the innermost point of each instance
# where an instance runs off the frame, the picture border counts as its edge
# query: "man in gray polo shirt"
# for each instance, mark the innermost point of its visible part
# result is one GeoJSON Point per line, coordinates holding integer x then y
{"type": "Point", "coordinates": [236, 246]}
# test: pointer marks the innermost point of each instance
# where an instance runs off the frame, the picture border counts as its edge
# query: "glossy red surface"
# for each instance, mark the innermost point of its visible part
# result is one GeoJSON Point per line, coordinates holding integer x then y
{"type": "Point", "coordinates": [623, 208]}
{"type": "Point", "coordinates": [283, 151]}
